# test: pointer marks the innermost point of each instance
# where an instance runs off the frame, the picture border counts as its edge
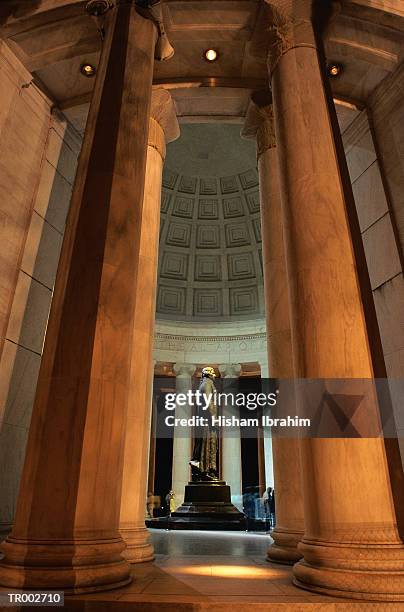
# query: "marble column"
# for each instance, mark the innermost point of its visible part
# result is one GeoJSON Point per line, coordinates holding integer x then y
{"type": "Point", "coordinates": [285, 451]}
{"type": "Point", "coordinates": [163, 128]}
{"type": "Point", "coordinates": [66, 531]}
{"type": "Point", "coordinates": [351, 546]}
{"type": "Point", "coordinates": [267, 434]}
{"type": "Point", "coordinates": [152, 443]}
{"type": "Point", "coordinates": [231, 441]}
{"type": "Point", "coordinates": [182, 443]}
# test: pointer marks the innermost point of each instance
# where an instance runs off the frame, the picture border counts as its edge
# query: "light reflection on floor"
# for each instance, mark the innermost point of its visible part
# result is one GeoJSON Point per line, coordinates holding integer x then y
{"type": "Point", "coordinates": [224, 571]}
{"type": "Point", "coordinates": [197, 570]}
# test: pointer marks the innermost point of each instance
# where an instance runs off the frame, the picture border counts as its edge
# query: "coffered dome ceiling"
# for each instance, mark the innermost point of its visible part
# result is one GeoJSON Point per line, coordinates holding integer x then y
{"type": "Point", "coordinates": [210, 262]}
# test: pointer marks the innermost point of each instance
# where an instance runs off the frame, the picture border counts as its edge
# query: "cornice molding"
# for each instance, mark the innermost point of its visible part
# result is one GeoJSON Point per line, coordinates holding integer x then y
{"type": "Point", "coordinates": [206, 339]}
{"type": "Point", "coordinates": [239, 348]}
{"type": "Point", "coordinates": [240, 343]}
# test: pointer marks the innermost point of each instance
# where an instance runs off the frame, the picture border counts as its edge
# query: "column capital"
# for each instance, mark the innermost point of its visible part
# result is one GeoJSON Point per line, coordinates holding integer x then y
{"type": "Point", "coordinates": [229, 370]}
{"type": "Point", "coordinates": [293, 22]}
{"type": "Point", "coordinates": [290, 27]}
{"type": "Point", "coordinates": [264, 369]}
{"type": "Point", "coordinates": [148, 9]}
{"type": "Point", "coordinates": [153, 10]}
{"type": "Point", "coordinates": [259, 122]}
{"type": "Point", "coordinates": [163, 124]}
{"type": "Point", "coordinates": [184, 370]}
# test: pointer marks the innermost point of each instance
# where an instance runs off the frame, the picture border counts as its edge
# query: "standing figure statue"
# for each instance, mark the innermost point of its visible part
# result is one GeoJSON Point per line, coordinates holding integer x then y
{"type": "Point", "coordinates": [204, 456]}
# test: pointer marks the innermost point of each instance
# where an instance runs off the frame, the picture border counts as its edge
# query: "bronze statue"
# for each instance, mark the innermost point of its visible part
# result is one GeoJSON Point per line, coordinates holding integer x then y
{"type": "Point", "coordinates": [204, 456]}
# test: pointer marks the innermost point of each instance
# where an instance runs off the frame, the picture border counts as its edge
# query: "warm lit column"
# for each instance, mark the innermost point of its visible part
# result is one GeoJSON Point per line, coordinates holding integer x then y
{"type": "Point", "coordinates": [230, 439]}
{"type": "Point", "coordinates": [66, 530]}
{"type": "Point", "coordinates": [285, 451]}
{"type": "Point", "coordinates": [351, 545]}
{"type": "Point", "coordinates": [163, 128]}
{"type": "Point", "coordinates": [182, 443]}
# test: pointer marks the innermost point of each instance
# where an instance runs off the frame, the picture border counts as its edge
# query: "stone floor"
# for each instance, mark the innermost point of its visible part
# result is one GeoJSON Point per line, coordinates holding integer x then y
{"type": "Point", "coordinates": [219, 571]}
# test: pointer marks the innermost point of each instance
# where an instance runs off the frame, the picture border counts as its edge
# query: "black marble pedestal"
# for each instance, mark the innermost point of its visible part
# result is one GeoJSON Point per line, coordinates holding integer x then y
{"type": "Point", "coordinates": [207, 505]}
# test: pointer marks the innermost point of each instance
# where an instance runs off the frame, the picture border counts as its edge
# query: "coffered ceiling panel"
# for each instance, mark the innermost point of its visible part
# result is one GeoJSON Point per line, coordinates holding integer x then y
{"type": "Point", "coordinates": [209, 263]}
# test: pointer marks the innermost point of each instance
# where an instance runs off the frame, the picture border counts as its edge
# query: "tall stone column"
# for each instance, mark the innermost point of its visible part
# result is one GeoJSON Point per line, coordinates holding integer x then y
{"type": "Point", "coordinates": [267, 434]}
{"type": "Point", "coordinates": [289, 528]}
{"type": "Point", "coordinates": [351, 545]}
{"type": "Point", "coordinates": [182, 444]}
{"type": "Point", "coordinates": [152, 444]}
{"type": "Point", "coordinates": [231, 441]}
{"type": "Point", "coordinates": [66, 530]}
{"type": "Point", "coordinates": [163, 127]}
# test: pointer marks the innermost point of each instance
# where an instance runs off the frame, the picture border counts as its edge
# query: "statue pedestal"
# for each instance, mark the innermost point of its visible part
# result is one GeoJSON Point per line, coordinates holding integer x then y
{"type": "Point", "coordinates": [207, 505]}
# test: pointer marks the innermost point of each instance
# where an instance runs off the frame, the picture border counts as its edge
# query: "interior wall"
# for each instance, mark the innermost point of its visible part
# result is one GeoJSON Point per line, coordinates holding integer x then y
{"type": "Point", "coordinates": [386, 111]}
{"type": "Point", "coordinates": [375, 158]}
{"type": "Point", "coordinates": [47, 150]}
{"type": "Point", "coordinates": [24, 123]}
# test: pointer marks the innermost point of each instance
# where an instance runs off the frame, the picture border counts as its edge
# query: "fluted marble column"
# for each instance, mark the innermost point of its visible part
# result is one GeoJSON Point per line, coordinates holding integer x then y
{"type": "Point", "coordinates": [231, 441]}
{"type": "Point", "coordinates": [163, 128]}
{"type": "Point", "coordinates": [66, 530]}
{"type": "Point", "coordinates": [182, 445]}
{"type": "Point", "coordinates": [289, 528]}
{"type": "Point", "coordinates": [351, 547]}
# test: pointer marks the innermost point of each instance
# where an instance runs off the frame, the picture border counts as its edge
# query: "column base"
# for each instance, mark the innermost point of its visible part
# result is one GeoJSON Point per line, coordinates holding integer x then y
{"type": "Point", "coordinates": [138, 546]}
{"type": "Point", "coordinates": [77, 566]}
{"type": "Point", "coordinates": [285, 547]}
{"type": "Point", "coordinates": [371, 572]}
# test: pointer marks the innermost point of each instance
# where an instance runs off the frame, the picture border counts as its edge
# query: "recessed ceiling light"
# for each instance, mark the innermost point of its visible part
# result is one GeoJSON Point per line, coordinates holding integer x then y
{"type": "Point", "coordinates": [211, 55]}
{"type": "Point", "coordinates": [334, 70]}
{"type": "Point", "coordinates": [88, 70]}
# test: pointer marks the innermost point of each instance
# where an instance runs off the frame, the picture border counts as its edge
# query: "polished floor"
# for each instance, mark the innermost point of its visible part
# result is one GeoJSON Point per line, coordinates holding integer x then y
{"type": "Point", "coordinates": [219, 571]}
